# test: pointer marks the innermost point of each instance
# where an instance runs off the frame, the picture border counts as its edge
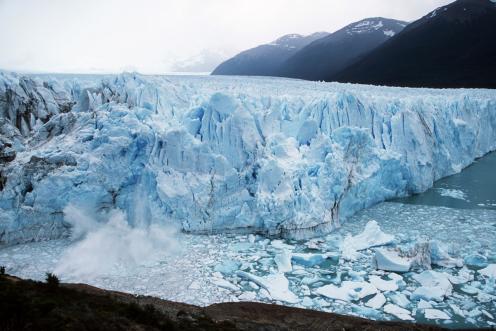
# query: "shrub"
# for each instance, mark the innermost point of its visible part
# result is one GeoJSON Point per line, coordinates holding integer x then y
{"type": "Point", "coordinates": [2, 270]}
{"type": "Point", "coordinates": [52, 280]}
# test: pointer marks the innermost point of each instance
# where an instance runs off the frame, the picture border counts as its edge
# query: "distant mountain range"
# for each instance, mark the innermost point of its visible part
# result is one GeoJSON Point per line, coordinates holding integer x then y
{"type": "Point", "coordinates": [453, 46]}
{"type": "Point", "coordinates": [333, 53]}
{"type": "Point", "coordinates": [265, 60]}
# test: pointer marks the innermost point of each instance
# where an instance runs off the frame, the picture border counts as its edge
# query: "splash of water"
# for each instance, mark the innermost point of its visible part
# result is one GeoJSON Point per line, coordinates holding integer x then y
{"type": "Point", "coordinates": [101, 248]}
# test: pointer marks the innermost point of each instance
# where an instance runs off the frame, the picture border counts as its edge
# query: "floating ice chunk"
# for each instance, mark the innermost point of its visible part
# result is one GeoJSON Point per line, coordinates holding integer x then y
{"type": "Point", "coordinates": [225, 284]}
{"type": "Point", "coordinates": [307, 302]}
{"type": "Point", "coordinates": [276, 284]}
{"type": "Point", "coordinates": [399, 299]}
{"type": "Point", "coordinates": [309, 259]}
{"type": "Point", "coordinates": [383, 285]}
{"type": "Point", "coordinates": [247, 296]}
{"type": "Point", "coordinates": [469, 289]}
{"type": "Point", "coordinates": [279, 244]}
{"type": "Point", "coordinates": [227, 267]}
{"type": "Point", "coordinates": [423, 304]}
{"type": "Point", "coordinates": [377, 301]}
{"type": "Point", "coordinates": [464, 276]}
{"type": "Point", "coordinates": [485, 312]}
{"type": "Point", "coordinates": [476, 261]}
{"type": "Point", "coordinates": [489, 271]}
{"type": "Point", "coordinates": [283, 261]}
{"type": "Point", "coordinates": [440, 256]}
{"type": "Point", "coordinates": [485, 297]}
{"type": "Point", "coordinates": [457, 310]}
{"type": "Point", "coordinates": [436, 314]}
{"type": "Point", "coordinates": [348, 291]}
{"type": "Point", "coordinates": [372, 236]}
{"type": "Point", "coordinates": [370, 313]}
{"type": "Point", "coordinates": [395, 277]}
{"type": "Point", "coordinates": [452, 193]}
{"type": "Point", "coordinates": [399, 312]}
{"type": "Point", "coordinates": [435, 286]}
{"type": "Point", "coordinates": [390, 260]}
{"type": "Point", "coordinates": [195, 285]}
{"type": "Point", "coordinates": [314, 243]}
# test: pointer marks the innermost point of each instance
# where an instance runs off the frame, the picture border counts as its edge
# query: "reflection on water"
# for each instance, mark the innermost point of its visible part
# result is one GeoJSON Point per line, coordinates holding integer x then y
{"type": "Point", "coordinates": [473, 188]}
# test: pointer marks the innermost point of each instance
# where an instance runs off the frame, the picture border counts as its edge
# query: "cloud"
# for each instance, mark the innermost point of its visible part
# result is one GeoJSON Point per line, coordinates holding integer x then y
{"type": "Point", "coordinates": [76, 35]}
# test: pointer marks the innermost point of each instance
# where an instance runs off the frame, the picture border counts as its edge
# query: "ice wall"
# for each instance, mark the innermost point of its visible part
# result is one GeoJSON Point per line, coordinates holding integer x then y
{"type": "Point", "coordinates": [214, 154]}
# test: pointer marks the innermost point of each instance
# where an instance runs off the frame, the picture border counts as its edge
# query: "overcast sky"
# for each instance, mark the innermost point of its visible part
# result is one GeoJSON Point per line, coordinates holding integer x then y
{"type": "Point", "coordinates": [150, 35]}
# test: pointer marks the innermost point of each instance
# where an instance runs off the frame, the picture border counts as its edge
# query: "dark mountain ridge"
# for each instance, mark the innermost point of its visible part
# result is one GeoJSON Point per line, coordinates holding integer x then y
{"type": "Point", "coordinates": [329, 55]}
{"type": "Point", "coordinates": [453, 46]}
{"type": "Point", "coordinates": [265, 60]}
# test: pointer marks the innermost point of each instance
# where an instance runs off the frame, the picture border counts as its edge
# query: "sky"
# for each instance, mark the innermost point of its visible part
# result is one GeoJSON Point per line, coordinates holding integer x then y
{"type": "Point", "coordinates": [151, 36]}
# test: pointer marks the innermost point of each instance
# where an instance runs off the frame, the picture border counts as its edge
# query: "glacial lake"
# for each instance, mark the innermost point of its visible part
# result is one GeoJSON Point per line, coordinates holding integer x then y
{"type": "Point", "coordinates": [473, 188]}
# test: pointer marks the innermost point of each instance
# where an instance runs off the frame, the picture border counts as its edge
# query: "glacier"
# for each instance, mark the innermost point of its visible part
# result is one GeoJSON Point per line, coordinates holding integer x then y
{"type": "Point", "coordinates": [271, 156]}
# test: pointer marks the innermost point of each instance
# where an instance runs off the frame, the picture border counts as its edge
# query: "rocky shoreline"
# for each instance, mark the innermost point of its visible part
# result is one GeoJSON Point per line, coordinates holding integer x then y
{"type": "Point", "coordinates": [30, 305]}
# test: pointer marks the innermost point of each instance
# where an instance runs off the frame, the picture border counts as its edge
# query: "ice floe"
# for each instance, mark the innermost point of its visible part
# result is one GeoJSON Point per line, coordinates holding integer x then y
{"type": "Point", "coordinates": [348, 291]}
{"type": "Point", "coordinates": [372, 236]}
{"type": "Point", "coordinates": [277, 285]}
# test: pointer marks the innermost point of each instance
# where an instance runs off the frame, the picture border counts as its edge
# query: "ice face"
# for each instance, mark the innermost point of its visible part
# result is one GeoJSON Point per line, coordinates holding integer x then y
{"type": "Point", "coordinates": [218, 154]}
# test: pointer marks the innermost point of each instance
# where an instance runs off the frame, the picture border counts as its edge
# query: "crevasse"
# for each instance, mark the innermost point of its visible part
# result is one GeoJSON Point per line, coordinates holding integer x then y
{"type": "Point", "coordinates": [217, 154]}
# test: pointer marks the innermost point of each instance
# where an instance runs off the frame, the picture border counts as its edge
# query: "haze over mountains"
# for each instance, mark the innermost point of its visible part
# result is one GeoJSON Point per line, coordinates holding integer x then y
{"type": "Point", "coordinates": [265, 60]}
{"type": "Point", "coordinates": [453, 46]}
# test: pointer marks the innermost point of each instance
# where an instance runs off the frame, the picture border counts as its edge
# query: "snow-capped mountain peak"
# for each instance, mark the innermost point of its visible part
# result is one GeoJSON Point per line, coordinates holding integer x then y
{"type": "Point", "coordinates": [370, 25]}
{"type": "Point", "coordinates": [295, 40]}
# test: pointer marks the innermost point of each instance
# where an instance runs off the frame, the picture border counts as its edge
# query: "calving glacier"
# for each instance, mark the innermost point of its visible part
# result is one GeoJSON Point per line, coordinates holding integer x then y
{"type": "Point", "coordinates": [214, 154]}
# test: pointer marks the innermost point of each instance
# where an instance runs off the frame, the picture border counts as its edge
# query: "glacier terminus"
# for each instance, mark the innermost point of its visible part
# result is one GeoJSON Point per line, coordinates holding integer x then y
{"type": "Point", "coordinates": [270, 156]}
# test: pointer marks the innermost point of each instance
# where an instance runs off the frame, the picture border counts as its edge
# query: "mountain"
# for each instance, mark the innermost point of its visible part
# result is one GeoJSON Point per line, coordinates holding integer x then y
{"type": "Point", "coordinates": [331, 54]}
{"type": "Point", "coordinates": [453, 46]}
{"type": "Point", "coordinates": [265, 60]}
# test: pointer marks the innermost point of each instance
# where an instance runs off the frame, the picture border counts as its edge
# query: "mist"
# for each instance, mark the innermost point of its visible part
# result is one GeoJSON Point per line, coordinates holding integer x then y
{"type": "Point", "coordinates": [155, 36]}
{"type": "Point", "coordinates": [99, 248]}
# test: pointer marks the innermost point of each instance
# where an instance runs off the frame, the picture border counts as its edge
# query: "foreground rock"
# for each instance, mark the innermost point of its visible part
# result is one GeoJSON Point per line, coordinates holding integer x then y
{"type": "Point", "coordinates": [32, 305]}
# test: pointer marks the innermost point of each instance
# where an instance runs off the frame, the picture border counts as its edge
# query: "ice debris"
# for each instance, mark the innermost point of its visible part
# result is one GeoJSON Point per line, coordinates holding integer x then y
{"type": "Point", "coordinates": [390, 260]}
{"type": "Point", "coordinates": [399, 312]}
{"type": "Point", "coordinates": [372, 236]}
{"type": "Point", "coordinates": [377, 301]}
{"type": "Point", "coordinates": [436, 314]}
{"type": "Point", "coordinates": [435, 286]}
{"type": "Point", "coordinates": [348, 291]}
{"type": "Point", "coordinates": [489, 271]}
{"type": "Point", "coordinates": [277, 286]}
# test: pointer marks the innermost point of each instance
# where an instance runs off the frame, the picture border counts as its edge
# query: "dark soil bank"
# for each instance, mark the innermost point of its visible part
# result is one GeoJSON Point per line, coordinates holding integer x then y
{"type": "Point", "coordinates": [29, 305]}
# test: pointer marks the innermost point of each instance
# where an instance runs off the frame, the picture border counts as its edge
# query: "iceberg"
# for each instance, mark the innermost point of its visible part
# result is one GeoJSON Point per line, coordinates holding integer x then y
{"type": "Point", "coordinates": [276, 284]}
{"type": "Point", "coordinates": [435, 286]}
{"type": "Point", "coordinates": [390, 260]}
{"type": "Point", "coordinates": [270, 156]}
{"type": "Point", "coordinates": [348, 291]}
{"type": "Point", "coordinates": [372, 236]}
{"type": "Point", "coordinates": [489, 271]}
{"type": "Point", "coordinates": [398, 312]}
{"type": "Point", "coordinates": [377, 301]}
{"type": "Point", "coordinates": [283, 261]}
{"type": "Point", "coordinates": [436, 314]}
{"type": "Point", "coordinates": [309, 259]}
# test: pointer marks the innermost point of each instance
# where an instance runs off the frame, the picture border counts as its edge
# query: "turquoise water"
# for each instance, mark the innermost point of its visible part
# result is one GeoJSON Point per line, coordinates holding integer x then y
{"type": "Point", "coordinates": [473, 188]}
